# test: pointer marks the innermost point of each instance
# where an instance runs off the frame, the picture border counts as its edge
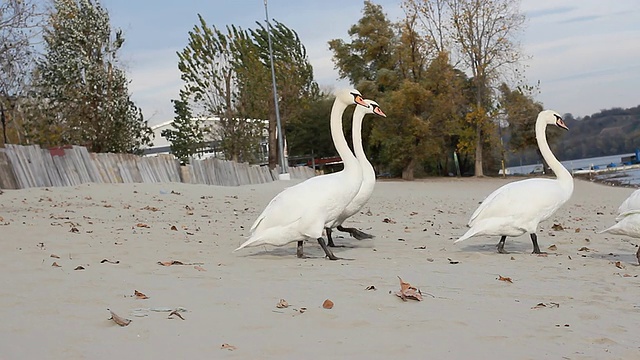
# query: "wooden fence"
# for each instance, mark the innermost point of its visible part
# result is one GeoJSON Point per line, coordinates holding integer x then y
{"type": "Point", "coordinates": [31, 166]}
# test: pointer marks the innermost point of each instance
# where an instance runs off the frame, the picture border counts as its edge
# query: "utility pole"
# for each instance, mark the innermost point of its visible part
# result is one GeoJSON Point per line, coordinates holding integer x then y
{"type": "Point", "coordinates": [3, 120]}
{"type": "Point", "coordinates": [284, 174]}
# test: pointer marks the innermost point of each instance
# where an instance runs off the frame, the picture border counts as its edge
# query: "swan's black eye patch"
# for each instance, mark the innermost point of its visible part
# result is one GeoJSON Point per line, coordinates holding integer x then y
{"type": "Point", "coordinates": [557, 117]}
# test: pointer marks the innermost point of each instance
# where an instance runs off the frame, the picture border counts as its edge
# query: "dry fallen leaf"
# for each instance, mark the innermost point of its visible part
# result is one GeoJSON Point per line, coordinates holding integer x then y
{"type": "Point", "coordinates": [548, 305]}
{"type": "Point", "coordinates": [282, 304]}
{"type": "Point", "coordinates": [79, 267]}
{"type": "Point", "coordinates": [388, 221]}
{"type": "Point", "coordinates": [150, 208]}
{"type": "Point", "coordinates": [584, 248]}
{"type": "Point", "coordinates": [176, 313]}
{"type": "Point", "coordinates": [553, 248]}
{"type": "Point", "coordinates": [370, 287]}
{"type": "Point", "coordinates": [142, 225]}
{"type": "Point", "coordinates": [408, 292]}
{"type": "Point", "coordinates": [557, 227]}
{"type": "Point", "coordinates": [619, 265]}
{"type": "Point", "coordinates": [199, 268]}
{"type": "Point", "coordinates": [453, 262]}
{"type": "Point", "coordinates": [55, 256]}
{"type": "Point", "coordinates": [505, 279]}
{"type": "Point", "coordinates": [109, 261]}
{"type": "Point", "coordinates": [327, 304]}
{"type": "Point", "coordinates": [55, 264]}
{"type": "Point", "coordinates": [118, 319]}
{"type": "Point", "coordinates": [139, 295]}
{"type": "Point", "coordinates": [228, 347]}
{"type": "Point", "coordinates": [174, 228]}
{"type": "Point", "coordinates": [169, 263]}
{"type": "Point", "coordinates": [302, 310]}
{"type": "Point", "coordinates": [577, 230]}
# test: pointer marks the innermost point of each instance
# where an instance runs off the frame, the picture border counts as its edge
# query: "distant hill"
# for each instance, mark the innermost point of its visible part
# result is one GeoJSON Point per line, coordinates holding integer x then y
{"type": "Point", "coordinates": [608, 132]}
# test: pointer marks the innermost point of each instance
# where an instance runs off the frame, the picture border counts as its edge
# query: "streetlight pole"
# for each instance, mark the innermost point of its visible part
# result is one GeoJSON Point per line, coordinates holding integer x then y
{"type": "Point", "coordinates": [284, 175]}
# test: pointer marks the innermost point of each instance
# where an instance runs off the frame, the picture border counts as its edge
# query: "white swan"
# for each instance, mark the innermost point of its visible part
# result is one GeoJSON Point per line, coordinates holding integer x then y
{"type": "Point", "coordinates": [628, 219]}
{"type": "Point", "coordinates": [302, 211]}
{"type": "Point", "coordinates": [368, 174]}
{"type": "Point", "coordinates": [516, 208]}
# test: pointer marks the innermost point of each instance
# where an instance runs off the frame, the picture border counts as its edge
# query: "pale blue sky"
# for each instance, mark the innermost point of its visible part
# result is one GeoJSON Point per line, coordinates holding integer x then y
{"type": "Point", "coordinates": [585, 53]}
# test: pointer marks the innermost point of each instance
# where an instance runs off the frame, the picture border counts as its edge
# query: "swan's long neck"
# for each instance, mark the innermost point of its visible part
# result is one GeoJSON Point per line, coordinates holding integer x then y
{"type": "Point", "coordinates": [350, 161]}
{"type": "Point", "coordinates": [356, 129]}
{"type": "Point", "coordinates": [564, 177]}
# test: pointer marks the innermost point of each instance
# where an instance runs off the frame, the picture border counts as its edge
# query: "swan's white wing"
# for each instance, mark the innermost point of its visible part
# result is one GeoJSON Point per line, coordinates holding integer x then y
{"type": "Point", "coordinates": [630, 203]}
{"type": "Point", "coordinates": [523, 201]}
{"type": "Point", "coordinates": [286, 207]}
{"type": "Point", "coordinates": [628, 225]}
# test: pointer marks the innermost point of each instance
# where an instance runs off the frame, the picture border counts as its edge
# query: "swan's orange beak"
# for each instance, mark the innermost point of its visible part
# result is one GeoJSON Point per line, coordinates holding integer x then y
{"type": "Point", "coordinates": [359, 100]}
{"type": "Point", "coordinates": [560, 123]}
{"type": "Point", "coordinates": [378, 111]}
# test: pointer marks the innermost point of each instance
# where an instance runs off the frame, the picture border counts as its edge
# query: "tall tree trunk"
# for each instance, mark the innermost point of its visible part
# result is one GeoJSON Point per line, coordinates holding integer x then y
{"type": "Point", "coordinates": [478, 169]}
{"type": "Point", "coordinates": [407, 172]}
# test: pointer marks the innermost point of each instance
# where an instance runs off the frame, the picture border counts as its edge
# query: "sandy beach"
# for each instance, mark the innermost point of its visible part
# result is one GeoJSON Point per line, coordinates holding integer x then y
{"type": "Point", "coordinates": [581, 301]}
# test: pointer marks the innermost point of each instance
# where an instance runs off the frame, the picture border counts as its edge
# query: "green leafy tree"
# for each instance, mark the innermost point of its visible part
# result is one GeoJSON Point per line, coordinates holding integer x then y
{"type": "Point", "coordinates": [80, 96]}
{"type": "Point", "coordinates": [483, 34]}
{"type": "Point", "coordinates": [186, 135]}
{"type": "Point", "coordinates": [208, 67]}
{"type": "Point", "coordinates": [294, 77]}
{"type": "Point", "coordinates": [20, 21]}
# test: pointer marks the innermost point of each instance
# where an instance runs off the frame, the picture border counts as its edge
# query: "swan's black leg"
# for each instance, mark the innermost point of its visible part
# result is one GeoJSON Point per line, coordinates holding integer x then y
{"type": "Point", "coordinates": [330, 242]}
{"type": "Point", "coordinates": [326, 249]}
{"type": "Point", "coordinates": [299, 252]}
{"type": "Point", "coordinates": [536, 248]}
{"type": "Point", "coordinates": [359, 235]}
{"type": "Point", "coordinates": [500, 245]}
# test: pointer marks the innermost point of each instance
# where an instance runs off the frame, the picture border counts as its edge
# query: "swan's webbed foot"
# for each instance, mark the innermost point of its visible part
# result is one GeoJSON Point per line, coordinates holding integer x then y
{"type": "Point", "coordinates": [359, 235]}
{"type": "Point", "coordinates": [500, 246]}
{"type": "Point", "coordinates": [326, 249]}
{"type": "Point", "coordinates": [330, 242]}
{"type": "Point", "coordinates": [536, 248]}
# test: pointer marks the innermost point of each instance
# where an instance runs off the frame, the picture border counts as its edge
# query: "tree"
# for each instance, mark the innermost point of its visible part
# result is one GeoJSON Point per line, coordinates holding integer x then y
{"type": "Point", "coordinates": [186, 136]}
{"type": "Point", "coordinates": [20, 21]}
{"type": "Point", "coordinates": [294, 77]}
{"type": "Point", "coordinates": [80, 96]}
{"type": "Point", "coordinates": [483, 35]}
{"type": "Point", "coordinates": [209, 66]}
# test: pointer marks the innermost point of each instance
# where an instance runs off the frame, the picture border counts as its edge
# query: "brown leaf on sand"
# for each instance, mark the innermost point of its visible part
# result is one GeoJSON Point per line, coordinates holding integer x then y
{"type": "Point", "coordinates": [228, 347]}
{"type": "Point", "coordinates": [176, 313]}
{"type": "Point", "coordinates": [282, 304]}
{"type": "Point", "coordinates": [388, 221]}
{"type": "Point", "coordinates": [79, 267]}
{"type": "Point", "coordinates": [109, 261]}
{"type": "Point", "coordinates": [557, 227]}
{"type": "Point", "coordinates": [55, 264]}
{"type": "Point", "coordinates": [577, 230]}
{"type": "Point", "coordinates": [199, 268]}
{"type": "Point", "coordinates": [139, 295]}
{"type": "Point", "coordinates": [584, 248]}
{"type": "Point", "coordinates": [553, 247]}
{"type": "Point", "coordinates": [119, 319]}
{"type": "Point", "coordinates": [174, 228]}
{"type": "Point", "coordinates": [142, 225]}
{"type": "Point", "coordinates": [370, 287]}
{"type": "Point", "coordinates": [505, 279]}
{"type": "Point", "coordinates": [327, 304]}
{"type": "Point", "coordinates": [619, 265]}
{"type": "Point", "coordinates": [169, 263]}
{"type": "Point", "coordinates": [408, 292]}
{"type": "Point", "coordinates": [55, 256]}
{"type": "Point", "coordinates": [549, 305]}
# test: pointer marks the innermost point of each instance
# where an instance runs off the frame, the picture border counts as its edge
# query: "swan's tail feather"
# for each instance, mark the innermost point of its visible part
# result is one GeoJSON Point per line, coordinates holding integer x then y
{"type": "Point", "coordinates": [614, 230]}
{"type": "Point", "coordinates": [471, 232]}
{"type": "Point", "coordinates": [276, 236]}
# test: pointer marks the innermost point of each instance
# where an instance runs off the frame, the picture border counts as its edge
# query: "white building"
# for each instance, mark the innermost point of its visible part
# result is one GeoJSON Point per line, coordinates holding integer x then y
{"type": "Point", "coordinates": [162, 146]}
